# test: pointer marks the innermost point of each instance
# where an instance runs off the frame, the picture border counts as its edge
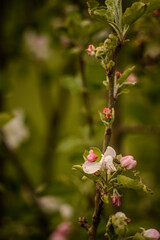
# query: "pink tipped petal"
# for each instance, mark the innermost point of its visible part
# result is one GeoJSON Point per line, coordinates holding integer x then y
{"type": "Point", "coordinates": [128, 162]}
{"type": "Point", "coordinates": [91, 156]}
{"type": "Point", "coordinates": [110, 152]}
{"type": "Point", "coordinates": [151, 234]}
{"type": "Point", "coordinates": [91, 167]}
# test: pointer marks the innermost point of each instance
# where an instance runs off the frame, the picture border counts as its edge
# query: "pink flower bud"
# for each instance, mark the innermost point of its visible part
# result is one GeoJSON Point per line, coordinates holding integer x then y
{"type": "Point", "coordinates": [91, 156]}
{"type": "Point", "coordinates": [116, 198]}
{"type": "Point", "coordinates": [91, 50]}
{"type": "Point", "coordinates": [132, 78]}
{"type": "Point", "coordinates": [118, 74]}
{"type": "Point", "coordinates": [107, 112]}
{"type": "Point", "coordinates": [151, 234]}
{"type": "Point", "coordinates": [156, 13]}
{"type": "Point", "coordinates": [128, 162]}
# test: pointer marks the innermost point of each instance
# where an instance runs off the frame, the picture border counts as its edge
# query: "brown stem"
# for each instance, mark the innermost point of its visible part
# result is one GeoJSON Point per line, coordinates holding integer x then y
{"type": "Point", "coordinates": [86, 96]}
{"type": "Point", "coordinates": [98, 207]}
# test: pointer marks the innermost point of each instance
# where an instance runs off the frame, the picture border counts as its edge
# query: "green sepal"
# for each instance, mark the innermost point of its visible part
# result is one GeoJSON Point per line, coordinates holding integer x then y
{"type": "Point", "coordinates": [134, 12]}
{"type": "Point", "coordinates": [105, 199]}
{"type": "Point", "coordinates": [127, 182]}
{"type": "Point", "coordinates": [5, 118]}
{"type": "Point", "coordinates": [85, 154]}
{"type": "Point", "coordinates": [125, 74]}
{"type": "Point", "coordinates": [138, 236]}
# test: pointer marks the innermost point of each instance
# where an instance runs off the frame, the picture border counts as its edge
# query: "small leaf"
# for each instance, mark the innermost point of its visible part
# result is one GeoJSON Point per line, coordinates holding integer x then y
{"type": "Point", "coordinates": [153, 5]}
{"type": "Point", "coordinates": [5, 118]}
{"type": "Point", "coordinates": [105, 199]}
{"type": "Point", "coordinates": [92, 4]}
{"type": "Point", "coordinates": [125, 74]}
{"type": "Point", "coordinates": [85, 154]}
{"type": "Point", "coordinates": [134, 12]}
{"type": "Point", "coordinates": [126, 182]}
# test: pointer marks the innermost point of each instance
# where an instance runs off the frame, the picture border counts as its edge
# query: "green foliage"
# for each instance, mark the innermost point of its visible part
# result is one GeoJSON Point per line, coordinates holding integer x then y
{"type": "Point", "coordinates": [138, 236]}
{"type": "Point", "coordinates": [133, 13]}
{"type": "Point", "coordinates": [152, 5]}
{"type": "Point", "coordinates": [125, 74]}
{"type": "Point", "coordinates": [116, 228]}
{"type": "Point", "coordinates": [5, 118]}
{"type": "Point", "coordinates": [127, 182]}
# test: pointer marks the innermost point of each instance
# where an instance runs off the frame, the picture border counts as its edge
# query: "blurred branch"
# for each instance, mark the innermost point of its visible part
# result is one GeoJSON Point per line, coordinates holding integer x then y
{"type": "Point", "coordinates": [7, 153]}
{"type": "Point", "coordinates": [55, 121]}
{"type": "Point", "coordinates": [85, 96]}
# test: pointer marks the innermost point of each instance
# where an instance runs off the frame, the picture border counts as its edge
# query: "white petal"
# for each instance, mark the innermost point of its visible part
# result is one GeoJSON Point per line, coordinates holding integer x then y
{"type": "Point", "coordinates": [91, 167]}
{"type": "Point", "coordinates": [108, 163]}
{"type": "Point", "coordinates": [110, 152]}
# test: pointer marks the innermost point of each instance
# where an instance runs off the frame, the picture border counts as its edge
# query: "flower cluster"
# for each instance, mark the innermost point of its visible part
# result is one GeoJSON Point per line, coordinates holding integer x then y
{"type": "Point", "coordinates": [106, 162]}
{"type": "Point", "coordinates": [107, 112]}
{"type": "Point", "coordinates": [91, 50]}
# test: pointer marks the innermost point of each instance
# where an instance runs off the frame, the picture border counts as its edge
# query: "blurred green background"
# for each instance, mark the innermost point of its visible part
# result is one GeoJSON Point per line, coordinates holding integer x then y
{"type": "Point", "coordinates": [55, 91]}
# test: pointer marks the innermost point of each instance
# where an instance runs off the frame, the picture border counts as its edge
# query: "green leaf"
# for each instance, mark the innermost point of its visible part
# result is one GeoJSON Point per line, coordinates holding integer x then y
{"type": "Point", "coordinates": [85, 154]}
{"type": "Point", "coordinates": [134, 12]}
{"type": "Point", "coordinates": [125, 74]}
{"type": "Point", "coordinates": [127, 182]}
{"type": "Point", "coordinates": [92, 4]}
{"type": "Point", "coordinates": [102, 14]}
{"type": "Point", "coordinates": [153, 5]}
{"type": "Point", "coordinates": [105, 199]}
{"type": "Point", "coordinates": [138, 236]}
{"type": "Point", "coordinates": [5, 118]}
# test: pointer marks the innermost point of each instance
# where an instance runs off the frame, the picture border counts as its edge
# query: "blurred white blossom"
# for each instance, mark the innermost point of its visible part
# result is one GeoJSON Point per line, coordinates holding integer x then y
{"type": "Point", "coordinates": [37, 44]}
{"type": "Point", "coordinates": [15, 130]}
{"type": "Point", "coordinates": [50, 204]}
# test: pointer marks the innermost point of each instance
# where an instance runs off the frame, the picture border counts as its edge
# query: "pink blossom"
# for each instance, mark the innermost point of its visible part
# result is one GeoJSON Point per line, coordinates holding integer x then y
{"type": "Point", "coordinates": [116, 198]}
{"type": "Point", "coordinates": [128, 162]}
{"type": "Point", "coordinates": [123, 216]}
{"type": "Point", "coordinates": [151, 234]}
{"type": "Point", "coordinates": [91, 156]}
{"type": "Point", "coordinates": [118, 74]}
{"type": "Point", "coordinates": [107, 112]}
{"type": "Point", "coordinates": [62, 231]}
{"type": "Point", "coordinates": [132, 78]}
{"type": "Point", "coordinates": [91, 50]}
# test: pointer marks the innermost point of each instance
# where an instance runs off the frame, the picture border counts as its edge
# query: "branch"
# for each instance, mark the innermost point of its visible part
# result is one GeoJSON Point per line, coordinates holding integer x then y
{"type": "Point", "coordinates": [98, 207]}
{"type": "Point", "coordinates": [111, 99]}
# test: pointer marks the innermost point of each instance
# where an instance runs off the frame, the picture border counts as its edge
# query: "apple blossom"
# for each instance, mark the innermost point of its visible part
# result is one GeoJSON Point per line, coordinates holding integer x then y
{"type": "Point", "coordinates": [107, 160]}
{"type": "Point", "coordinates": [132, 78]}
{"type": "Point", "coordinates": [128, 162]}
{"type": "Point", "coordinates": [116, 198]}
{"type": "Point", "coordinates": [123, 216]}
{"type": "Point", "coordinates": [118, 74]}
{"type": "Point", "coordinates": [91, 50]}
{"type": "Point", "coordinates": [91, 167]}
{"type": "Point", "coordinates": [91, 156]}
{"type": "Point", "coordinates": [151, 234]}
{"type": "Point", "coordinates": [107, 112]}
